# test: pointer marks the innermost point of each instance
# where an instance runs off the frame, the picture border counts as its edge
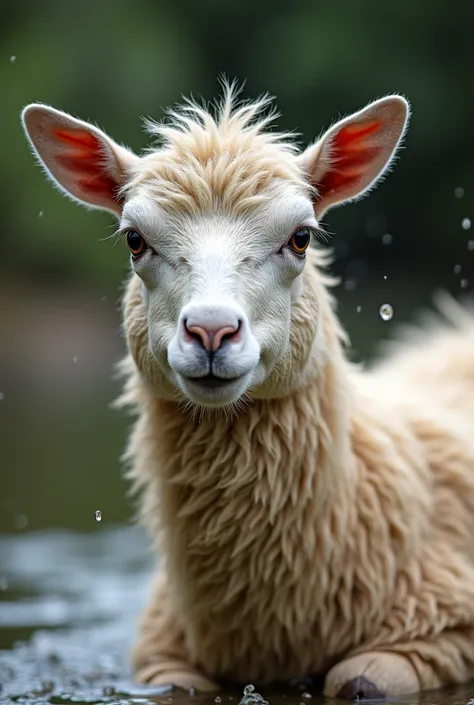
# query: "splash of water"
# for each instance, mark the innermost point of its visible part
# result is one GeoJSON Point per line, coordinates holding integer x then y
{"type": "Point", "coordinates": [251, 697]}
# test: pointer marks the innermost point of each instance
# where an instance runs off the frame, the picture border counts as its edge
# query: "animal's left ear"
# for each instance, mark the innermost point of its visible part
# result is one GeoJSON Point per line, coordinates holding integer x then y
{"type": "Point", "coordinates": [352, 155]}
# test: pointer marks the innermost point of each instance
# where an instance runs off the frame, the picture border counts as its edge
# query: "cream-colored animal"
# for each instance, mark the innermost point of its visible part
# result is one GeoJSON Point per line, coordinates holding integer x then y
{"type": "Point", "coordinates": [310, 517]}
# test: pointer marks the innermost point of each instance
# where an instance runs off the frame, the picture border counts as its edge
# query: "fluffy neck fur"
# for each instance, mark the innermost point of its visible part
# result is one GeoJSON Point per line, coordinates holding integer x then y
{"type": "Point", "coordinates": [232, 500]}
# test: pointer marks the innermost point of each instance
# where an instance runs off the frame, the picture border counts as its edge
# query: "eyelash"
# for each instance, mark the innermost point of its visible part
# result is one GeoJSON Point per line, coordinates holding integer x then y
{"type": "Point", "coordinates": [122, 234]}
{"type": "Point", "coordinates": [316, 233]}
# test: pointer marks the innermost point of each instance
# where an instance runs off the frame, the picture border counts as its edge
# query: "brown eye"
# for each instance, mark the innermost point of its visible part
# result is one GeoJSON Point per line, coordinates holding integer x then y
{"type": "Point", "coordinates": [300, 240]}
{"type": "Point", "coordinates": [136, 244]}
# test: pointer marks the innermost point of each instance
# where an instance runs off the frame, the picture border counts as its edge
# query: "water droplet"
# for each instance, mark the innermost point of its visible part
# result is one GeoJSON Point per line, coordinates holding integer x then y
{"type": "Point", "coordinates": [359, 309]}
{"type": "Point", "coordinates": [385, 276]}
{"type": "Point", "coordinates": [387, 239]}
{"type": "Point", "coordinates": [350, 284]}
{"type": "Point", "coordinates": [20, 522]}
{"type": "Point", "coordinates": [470, 245]}
{"type": "Point", "coordinates": [386, 312]}
{"type": "Point", "coordinates": [218, 699]}
{"type": "Point", "coordinates": [3, 584]}
{"type": "Point", "coordinates": [466, 224]}
{"type": "Point", "coordinates": [75, 359]}
{"type": "Point", "coordinates": [98, 515]}
{"type": "Point", "coordinates": [306, 695]}
{"type": "Point", "coordinates": [457, 269]}
{"type": "Point", "coordinates": [40, 214]}
{"type": "Point", "coordinates": [252, 698]}
{"type": "Point", "coordinates": [104, 298]}
{"type": "Point", "coordinates": [2, 396]}
{"type": "Point", "coordinates": [12, 59]}
{"type": "Point", "coordinates": [458, 192]}
{"type": "Point", "coordinates": [464, 283]}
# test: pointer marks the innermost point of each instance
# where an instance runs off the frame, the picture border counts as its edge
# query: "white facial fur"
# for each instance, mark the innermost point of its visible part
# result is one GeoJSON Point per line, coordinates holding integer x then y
{"type": "Point", "coordinates": [222, 269]}
{"type": "Point", "coordinates": [217, 204]}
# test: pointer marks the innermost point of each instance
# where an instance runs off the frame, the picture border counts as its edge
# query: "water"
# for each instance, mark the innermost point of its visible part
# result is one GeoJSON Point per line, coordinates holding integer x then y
{"type": "Point", "coordinates": [386, 312]}
{"type": "Point", "coordinates": [251, 697]}
{"type": "Point", "coordinates": [68, 614]}
{"type": "Point", "coordinates": [70, 599]}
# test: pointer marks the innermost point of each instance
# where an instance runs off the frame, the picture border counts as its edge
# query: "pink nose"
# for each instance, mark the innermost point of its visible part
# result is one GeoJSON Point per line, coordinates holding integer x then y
{"type": "Point", "coordinates": [211, 338]}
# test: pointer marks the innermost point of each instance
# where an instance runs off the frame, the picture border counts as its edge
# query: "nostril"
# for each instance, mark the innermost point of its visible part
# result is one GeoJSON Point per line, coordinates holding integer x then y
{"type": "Point", "coordinates": [210, 337]}
{"type": "Point", "coordinates": [232, 334]}
{"type": "Point", "coordinates": [198, 333]}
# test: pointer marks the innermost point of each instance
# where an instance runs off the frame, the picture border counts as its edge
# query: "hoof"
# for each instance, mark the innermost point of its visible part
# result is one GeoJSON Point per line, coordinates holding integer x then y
{"type": "Point", "coordinates": [372, 675]}
{"type": "Point", "coordinates": [184, 679]}
{"type": "Point", "coordinates": [360, 688]}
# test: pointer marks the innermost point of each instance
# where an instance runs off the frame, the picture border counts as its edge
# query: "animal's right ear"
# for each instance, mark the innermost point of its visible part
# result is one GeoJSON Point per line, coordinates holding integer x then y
{"type": "Point", "coordinates": [82, 160]}
{"type": "Point", "coordinates": [352, 156]}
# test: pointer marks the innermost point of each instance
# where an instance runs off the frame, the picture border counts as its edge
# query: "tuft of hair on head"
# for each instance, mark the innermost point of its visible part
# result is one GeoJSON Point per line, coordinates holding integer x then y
{"type": "Point", "coordinates": [227, 117]}
{"type": "Point", "coordinates": [225, 154]}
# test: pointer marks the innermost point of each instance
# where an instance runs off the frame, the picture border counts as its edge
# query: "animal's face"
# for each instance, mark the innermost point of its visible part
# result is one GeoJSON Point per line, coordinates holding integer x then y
{"type": "Point", "coordinates": [218, 221]}
{"type": "Point", "coordinates": [219, 288]}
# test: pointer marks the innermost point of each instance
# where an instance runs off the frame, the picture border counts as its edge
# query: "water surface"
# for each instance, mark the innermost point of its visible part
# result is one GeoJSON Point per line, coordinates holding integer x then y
{"type": "Point", "coordinates": [69, 603]}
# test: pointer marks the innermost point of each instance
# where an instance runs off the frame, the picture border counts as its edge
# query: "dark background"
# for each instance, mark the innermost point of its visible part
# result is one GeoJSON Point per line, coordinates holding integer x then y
{"type": "Point", "coordinates": [113, 62]}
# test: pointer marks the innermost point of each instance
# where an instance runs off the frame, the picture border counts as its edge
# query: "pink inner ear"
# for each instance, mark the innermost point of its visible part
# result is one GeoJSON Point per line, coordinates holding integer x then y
{"type": "Point", "coordinates": [350, 156]}
{"type": "Point", "coordinates": [85, 163]}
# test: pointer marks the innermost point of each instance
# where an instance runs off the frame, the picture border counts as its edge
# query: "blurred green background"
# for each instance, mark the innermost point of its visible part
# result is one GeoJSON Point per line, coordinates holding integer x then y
{"type": "Point", "coordinates": [113, 62]}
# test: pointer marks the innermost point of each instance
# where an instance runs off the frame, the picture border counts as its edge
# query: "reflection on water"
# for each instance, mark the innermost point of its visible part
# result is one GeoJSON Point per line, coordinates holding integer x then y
{"type": "Point", "coordinates": [69, 603]}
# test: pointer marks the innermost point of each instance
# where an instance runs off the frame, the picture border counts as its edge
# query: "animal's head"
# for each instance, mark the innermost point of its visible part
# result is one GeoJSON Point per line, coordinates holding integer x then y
{"type": "Point", "coordinates": [218, 219]}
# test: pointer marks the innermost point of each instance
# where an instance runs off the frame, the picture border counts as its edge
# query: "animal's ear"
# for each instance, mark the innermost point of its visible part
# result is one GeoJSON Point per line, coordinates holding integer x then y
{"type": "Point", "coordinates": [354, 153]}
{"type": "Point", "coordinates": [82, 160]}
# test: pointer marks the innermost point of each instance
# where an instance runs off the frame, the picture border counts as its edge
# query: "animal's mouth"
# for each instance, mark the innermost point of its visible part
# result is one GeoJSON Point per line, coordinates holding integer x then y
{"type": "Point", "coordinates": [212, 382]}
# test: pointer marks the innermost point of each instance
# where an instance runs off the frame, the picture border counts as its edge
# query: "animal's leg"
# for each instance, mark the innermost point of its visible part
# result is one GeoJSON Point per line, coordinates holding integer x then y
{"type": "Point", "coordinates": [374, 674]}
{"type": "Point", "coordinates": [410, 667]}
{"type": "Point", "coordinates": [160, 655]}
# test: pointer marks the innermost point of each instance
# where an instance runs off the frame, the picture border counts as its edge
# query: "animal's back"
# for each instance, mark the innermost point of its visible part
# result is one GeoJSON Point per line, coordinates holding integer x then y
{"type": "Point", "coordinates": [434, 364]}
{"type": "Point", "coordinates": [428, 380]}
